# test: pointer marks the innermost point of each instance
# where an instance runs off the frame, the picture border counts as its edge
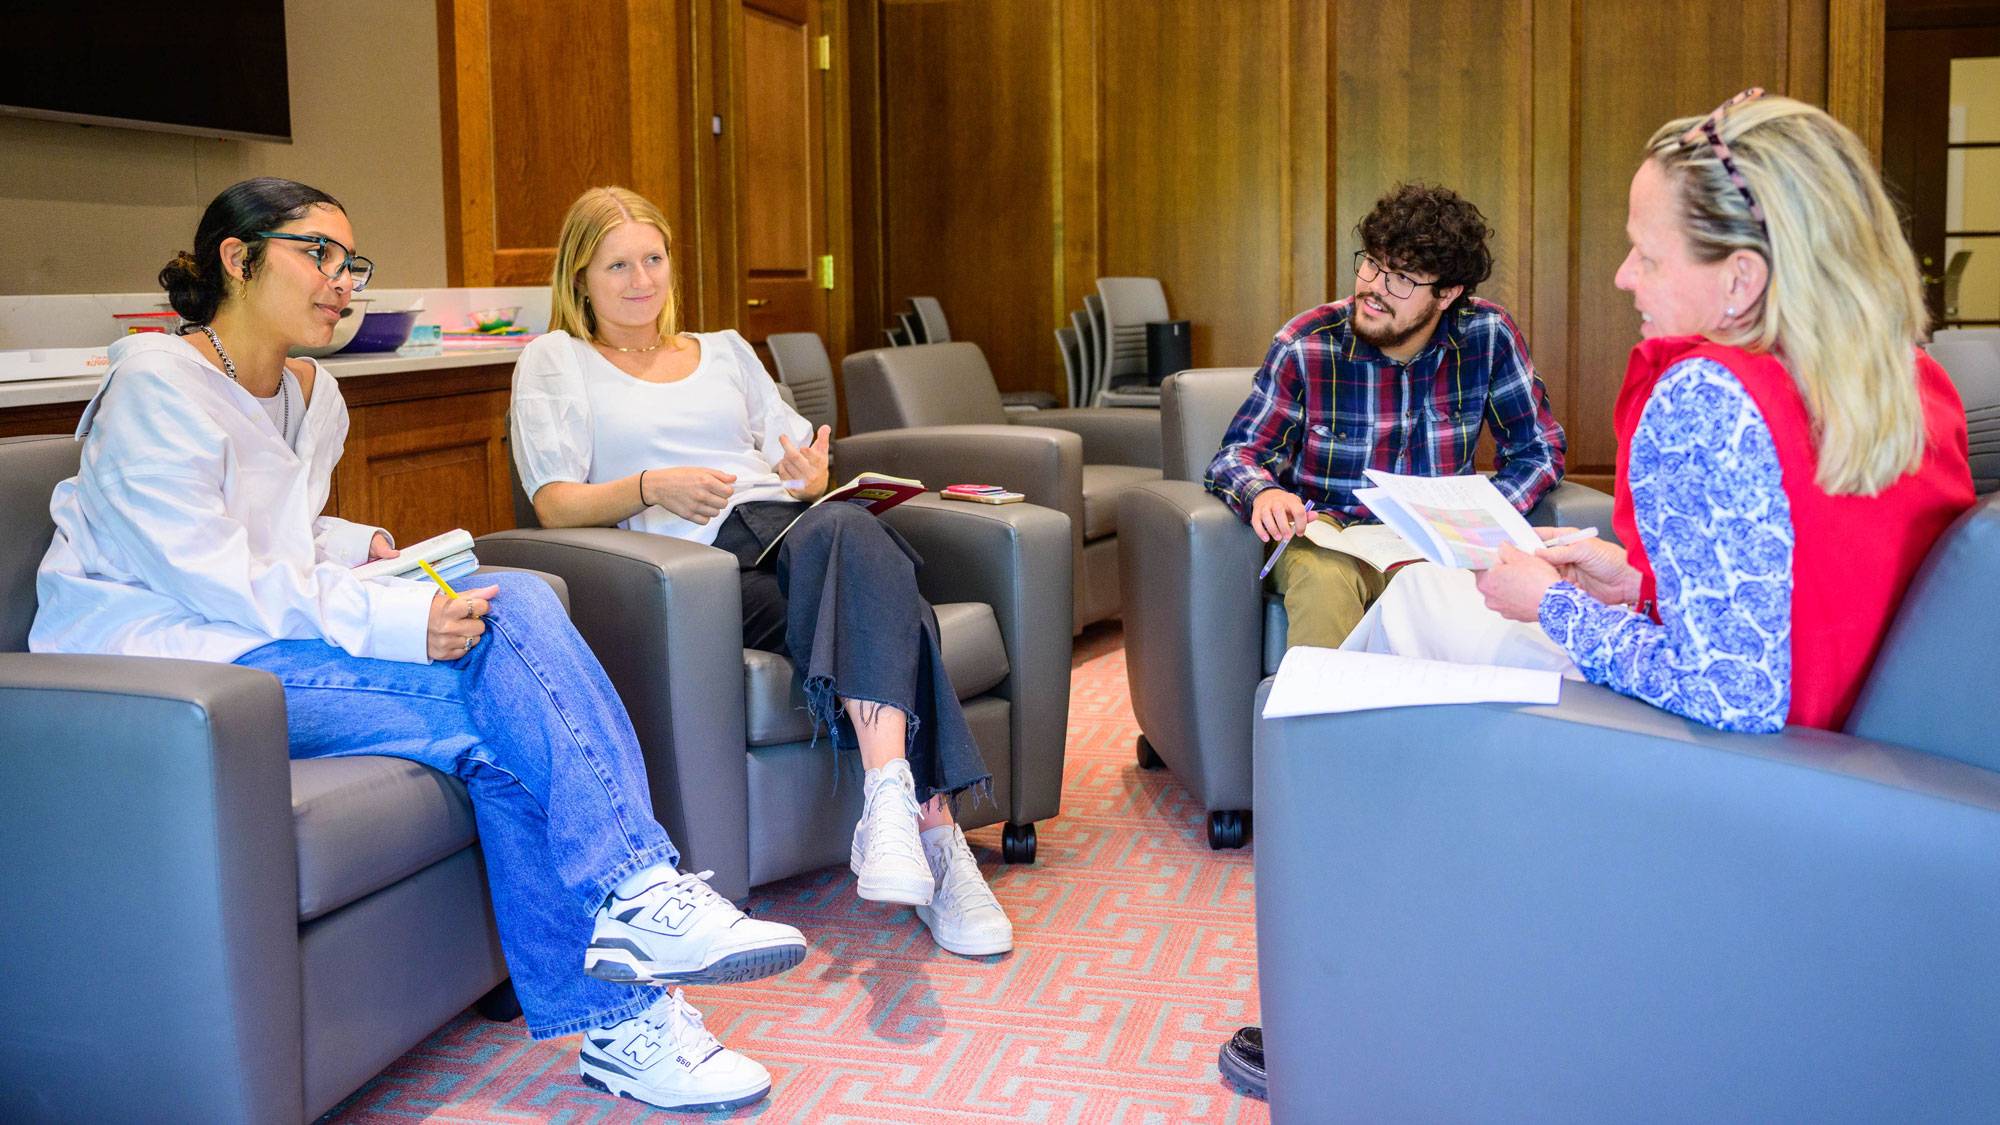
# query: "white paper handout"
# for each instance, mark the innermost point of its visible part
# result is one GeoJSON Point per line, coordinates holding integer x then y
{"type": "Point", "coordinates": [1455, 521]}
{"type": "Point", "coordinates": [1321, 681]}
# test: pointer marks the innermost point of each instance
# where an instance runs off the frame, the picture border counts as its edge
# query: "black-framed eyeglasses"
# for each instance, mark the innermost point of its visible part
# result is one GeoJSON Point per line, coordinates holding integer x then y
{"type": "Point", "coordinates": [1710, 129]}
{"type": "Point", "coordinates": [1399, 285]}
{"type": "Point", "coordinates": [330, 256]}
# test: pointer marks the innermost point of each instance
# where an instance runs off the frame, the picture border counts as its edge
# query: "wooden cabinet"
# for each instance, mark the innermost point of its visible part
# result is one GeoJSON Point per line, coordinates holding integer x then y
{"type": "Point", "coordinates": [426, 450]}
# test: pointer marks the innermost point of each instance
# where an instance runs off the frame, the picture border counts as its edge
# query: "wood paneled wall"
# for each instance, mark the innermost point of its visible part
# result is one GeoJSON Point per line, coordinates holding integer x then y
{"type": "Point", "coordinates": [542, 99]}
{"type": "Point", "coordinates": [1027, 148]}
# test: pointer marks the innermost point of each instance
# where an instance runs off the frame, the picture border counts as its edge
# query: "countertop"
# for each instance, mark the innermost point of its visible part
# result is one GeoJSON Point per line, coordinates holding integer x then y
{"type": "Point", "coordinates": [37, 392]}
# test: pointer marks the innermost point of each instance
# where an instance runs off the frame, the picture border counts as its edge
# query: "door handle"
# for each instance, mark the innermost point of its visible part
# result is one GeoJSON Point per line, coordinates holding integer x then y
{"type": "Point", "coordinates": [758, 302]}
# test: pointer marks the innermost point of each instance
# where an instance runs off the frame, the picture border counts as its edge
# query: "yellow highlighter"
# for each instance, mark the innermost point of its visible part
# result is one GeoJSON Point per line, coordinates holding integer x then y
{"type": "Point", "coordinates": [435, 577]}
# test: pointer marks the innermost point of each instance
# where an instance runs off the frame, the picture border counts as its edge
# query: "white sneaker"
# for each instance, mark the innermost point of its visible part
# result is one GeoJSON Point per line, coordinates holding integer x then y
{"type": "Point", "coordinates": [886, 857]}
{"type": "Point", "coordinates": [679, 931]}
{"type": "Point", "coordinates": [964, 917]}
{"type": "Point", "coordinates": [664, 1057]}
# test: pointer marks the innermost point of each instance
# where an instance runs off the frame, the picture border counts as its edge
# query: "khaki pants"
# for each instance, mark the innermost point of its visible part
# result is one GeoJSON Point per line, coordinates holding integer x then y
{"type": "Point", "coordinates": [1326, 592]}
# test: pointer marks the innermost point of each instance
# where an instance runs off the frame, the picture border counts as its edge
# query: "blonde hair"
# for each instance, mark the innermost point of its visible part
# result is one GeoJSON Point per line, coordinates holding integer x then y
{"type": "Point", "coordinates": [589, 219]}
{"type": "Point", "coordinates": [1842, 309]}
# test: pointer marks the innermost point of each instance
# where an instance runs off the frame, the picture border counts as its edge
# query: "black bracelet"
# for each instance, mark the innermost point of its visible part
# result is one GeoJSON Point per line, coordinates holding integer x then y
{"type": "Point", "coordinates": [642, 488]}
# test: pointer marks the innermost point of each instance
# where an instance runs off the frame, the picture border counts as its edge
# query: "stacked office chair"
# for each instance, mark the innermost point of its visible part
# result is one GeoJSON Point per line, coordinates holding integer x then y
{"type": "Point", "coordinates": [1110, 366]}
{"type": "Point", "coordinates": [1599, 911]}
{"type": "Point", "coordinates": [1071, 350]}
{"type": "Point", "coordinates": [805, 374]}
{"type": "Point", "coordinates": [1083, 378]}
{"type": "Point", "coordinates": [1206, 633]}
{"type": "Point", "coordinates": [930, 320]}
{"type": "Point", "coordinates": [739, 778]}
{"type": "Point", "coordinates": [1972, 358]}
{"type": "Point", "coordinates": [286, 928]}
{"type": "Point", "coordinates": [932, 412]}
{"type": "Point", "coordinates": [1129, 304]}
{"type": "Point", "coordinates": [924, 323]}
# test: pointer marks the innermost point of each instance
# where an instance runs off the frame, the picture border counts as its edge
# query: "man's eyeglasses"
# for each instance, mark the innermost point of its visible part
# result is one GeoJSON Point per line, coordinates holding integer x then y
{"type": "Point", "coordinates": [1710, 129]}
{"type": "Point", "coordinates": [1399, 285]}
{"type": "Point", "coordinates": [331, 257]}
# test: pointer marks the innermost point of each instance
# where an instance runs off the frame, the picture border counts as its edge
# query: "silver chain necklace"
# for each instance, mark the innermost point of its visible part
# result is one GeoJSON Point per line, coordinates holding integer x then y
{"type": "Point", "coordinates": [229, 369]}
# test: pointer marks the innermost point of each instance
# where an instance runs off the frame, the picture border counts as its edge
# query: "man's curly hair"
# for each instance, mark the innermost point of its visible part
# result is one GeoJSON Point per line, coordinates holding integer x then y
{"type": "Point", "coordinates": [1429, 229]}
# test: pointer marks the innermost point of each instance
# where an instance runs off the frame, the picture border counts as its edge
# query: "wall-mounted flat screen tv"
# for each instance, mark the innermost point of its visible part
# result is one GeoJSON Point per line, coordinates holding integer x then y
{"type": "Point", "coordinates": [208, 67]}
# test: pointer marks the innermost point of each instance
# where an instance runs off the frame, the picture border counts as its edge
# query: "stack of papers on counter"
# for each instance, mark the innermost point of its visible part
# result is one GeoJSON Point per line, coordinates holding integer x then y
{"type": "Point", "coordinates": [52, 363]}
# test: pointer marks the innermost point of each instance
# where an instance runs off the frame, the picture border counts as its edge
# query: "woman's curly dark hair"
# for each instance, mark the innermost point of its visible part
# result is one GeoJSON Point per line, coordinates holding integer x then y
{"type": "Point", "coordinates": [1429, 229]}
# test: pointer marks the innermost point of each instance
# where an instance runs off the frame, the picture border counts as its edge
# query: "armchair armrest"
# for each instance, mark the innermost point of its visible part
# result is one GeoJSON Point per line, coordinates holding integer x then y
{"type": "Point", "coordinates": [1574, 505]}
{"type": "Point", "coordinates": [664, 617]}
{"type": "Point", "coordinates": [146, 837]}
{"type": "Point", "coordinates": [1015, 558]}
{"type": "Point", "coordinates": [1194, 631]}
{"type": "Point", "coordinates": [1044, 465]}
{"type": "Point", "coordinates": [1110, 436]}
{"type": "Point", "coordinates": [1600, 906]}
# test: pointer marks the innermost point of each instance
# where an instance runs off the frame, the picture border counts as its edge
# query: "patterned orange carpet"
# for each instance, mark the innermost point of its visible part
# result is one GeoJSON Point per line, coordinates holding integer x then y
{"type": "Point", "coordinates": [1134, 959]}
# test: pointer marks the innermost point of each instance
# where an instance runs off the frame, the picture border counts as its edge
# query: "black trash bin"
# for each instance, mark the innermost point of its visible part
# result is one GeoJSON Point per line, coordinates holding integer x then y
{"type": "Point", "coordinates": [1169, 348]}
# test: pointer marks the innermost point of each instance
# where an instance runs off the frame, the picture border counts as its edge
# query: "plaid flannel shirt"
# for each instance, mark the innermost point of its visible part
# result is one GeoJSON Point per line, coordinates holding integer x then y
{"type": "Point", "coordinates": [1326, 405]}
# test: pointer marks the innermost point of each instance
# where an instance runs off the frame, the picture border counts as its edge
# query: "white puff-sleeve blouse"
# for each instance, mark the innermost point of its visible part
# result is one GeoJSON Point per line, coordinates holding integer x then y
{"type": "Point", "coordinates": [577, 418]}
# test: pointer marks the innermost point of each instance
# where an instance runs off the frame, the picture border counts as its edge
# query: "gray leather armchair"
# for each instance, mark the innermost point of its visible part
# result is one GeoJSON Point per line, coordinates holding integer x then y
{"type": "Point", "coordinates": [736, 777]}
{"type": "Point", "coordinates": [1206, 632]}
{"type": "Point", "coordinates": [192, 926]}
{"type": "Point", "coordinates": [934, 413]}
{"type": "Point", "coordinates": [1597, 911]}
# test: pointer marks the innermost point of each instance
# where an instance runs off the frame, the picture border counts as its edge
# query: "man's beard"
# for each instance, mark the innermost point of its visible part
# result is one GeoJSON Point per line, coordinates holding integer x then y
{"type": "Point", "coordinates": [1391, 337]}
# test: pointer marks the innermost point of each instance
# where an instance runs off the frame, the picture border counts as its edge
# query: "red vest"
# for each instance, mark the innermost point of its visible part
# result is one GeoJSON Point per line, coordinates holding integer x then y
{"type": "Point", "coordinates": [1852, 556]}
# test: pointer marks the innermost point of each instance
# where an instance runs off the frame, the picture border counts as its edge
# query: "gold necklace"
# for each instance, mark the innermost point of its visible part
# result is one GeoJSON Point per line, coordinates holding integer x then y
{"type": "Point", "coordinates": [652, 347]}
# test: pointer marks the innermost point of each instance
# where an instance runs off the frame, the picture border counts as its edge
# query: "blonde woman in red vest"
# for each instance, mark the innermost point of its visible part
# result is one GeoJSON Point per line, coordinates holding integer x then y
{"type": "Point", "coordinates": [1786, 454]}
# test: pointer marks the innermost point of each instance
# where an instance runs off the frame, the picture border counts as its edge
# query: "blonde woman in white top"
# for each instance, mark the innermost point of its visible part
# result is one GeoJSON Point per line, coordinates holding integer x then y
{"type": "Point", "coordinates": [621, 419]}
{"type": "Point", "coordinates": [189, 531]}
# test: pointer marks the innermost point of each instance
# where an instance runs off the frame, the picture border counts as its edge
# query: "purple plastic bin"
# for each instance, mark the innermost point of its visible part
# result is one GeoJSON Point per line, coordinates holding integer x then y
{"type": "Point", "coordinates": [382, 331]}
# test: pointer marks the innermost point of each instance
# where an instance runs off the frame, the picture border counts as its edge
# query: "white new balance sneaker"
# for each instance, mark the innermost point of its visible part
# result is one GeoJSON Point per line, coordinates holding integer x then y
{"type": "Point", "coordinates": [665, 1057]}
{"type": "Point", "coordinates": [679, 931]}
{"type": "Point", "coordinates": [963, 915]}
{"type": "Point", "coordinates": [886, 857]}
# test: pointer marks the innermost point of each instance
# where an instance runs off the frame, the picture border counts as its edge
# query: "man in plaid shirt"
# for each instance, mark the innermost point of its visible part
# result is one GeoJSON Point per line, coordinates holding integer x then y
{"type": "Point", "coordinates": [1398, 378]}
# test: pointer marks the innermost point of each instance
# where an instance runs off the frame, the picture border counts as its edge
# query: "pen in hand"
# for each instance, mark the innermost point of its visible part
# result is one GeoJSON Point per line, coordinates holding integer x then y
{"type": "Point", "coordinates": [1282, 544]}
{"type": "Point", "coordinates": [1568, 537]}
{"type": "Point", "coordinates": [439, 579]}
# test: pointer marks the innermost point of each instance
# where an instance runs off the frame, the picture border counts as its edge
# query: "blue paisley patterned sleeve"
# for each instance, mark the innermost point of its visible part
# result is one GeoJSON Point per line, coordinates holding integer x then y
{"type": "Point", "coordinates": [1712, 511]}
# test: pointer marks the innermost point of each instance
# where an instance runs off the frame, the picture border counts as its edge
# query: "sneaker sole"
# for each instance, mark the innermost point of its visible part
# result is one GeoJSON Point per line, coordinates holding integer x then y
{"type": "Point", "coordinates": [1246, 1081]}
{"type": "Point", "coordinates": [620, 1089]}
{"type": "Point", "coordinates": [620, 966]}
{"type": "Point", "coordinates": [965, 949]}
{"type": "Point", "coordinates": [903, 892]}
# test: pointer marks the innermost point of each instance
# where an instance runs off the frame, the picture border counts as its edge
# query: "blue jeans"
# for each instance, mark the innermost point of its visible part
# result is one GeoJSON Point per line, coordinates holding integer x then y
{"type": "Point", "coordinates": [531, 725]}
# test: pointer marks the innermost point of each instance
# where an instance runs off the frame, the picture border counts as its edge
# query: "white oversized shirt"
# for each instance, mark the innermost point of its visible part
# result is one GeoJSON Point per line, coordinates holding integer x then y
{"type": "Point", "coordinates": [578, 418]}
{"type": "Point", "coordinates": [189, 531]}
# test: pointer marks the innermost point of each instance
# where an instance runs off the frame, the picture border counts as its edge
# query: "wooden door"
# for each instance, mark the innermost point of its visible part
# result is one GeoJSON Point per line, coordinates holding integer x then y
{"type": "Point", "coordinates": [781, 197]}
{"type": "Point", "coordinates": [541, 99]}
{"type": "Point", "coordinates": [1917, 145]}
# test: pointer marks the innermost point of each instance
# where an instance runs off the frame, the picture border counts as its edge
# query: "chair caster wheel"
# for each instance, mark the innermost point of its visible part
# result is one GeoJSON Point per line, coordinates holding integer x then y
{"type": "Point", "coordinates": [1149, 759]}
{"type": "Point", "coordinates": [500, 1005]}
{"type": "Point", "coordinates": [1017, 843]}
{"type": "Point", "coordinates": [1228, 829]}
